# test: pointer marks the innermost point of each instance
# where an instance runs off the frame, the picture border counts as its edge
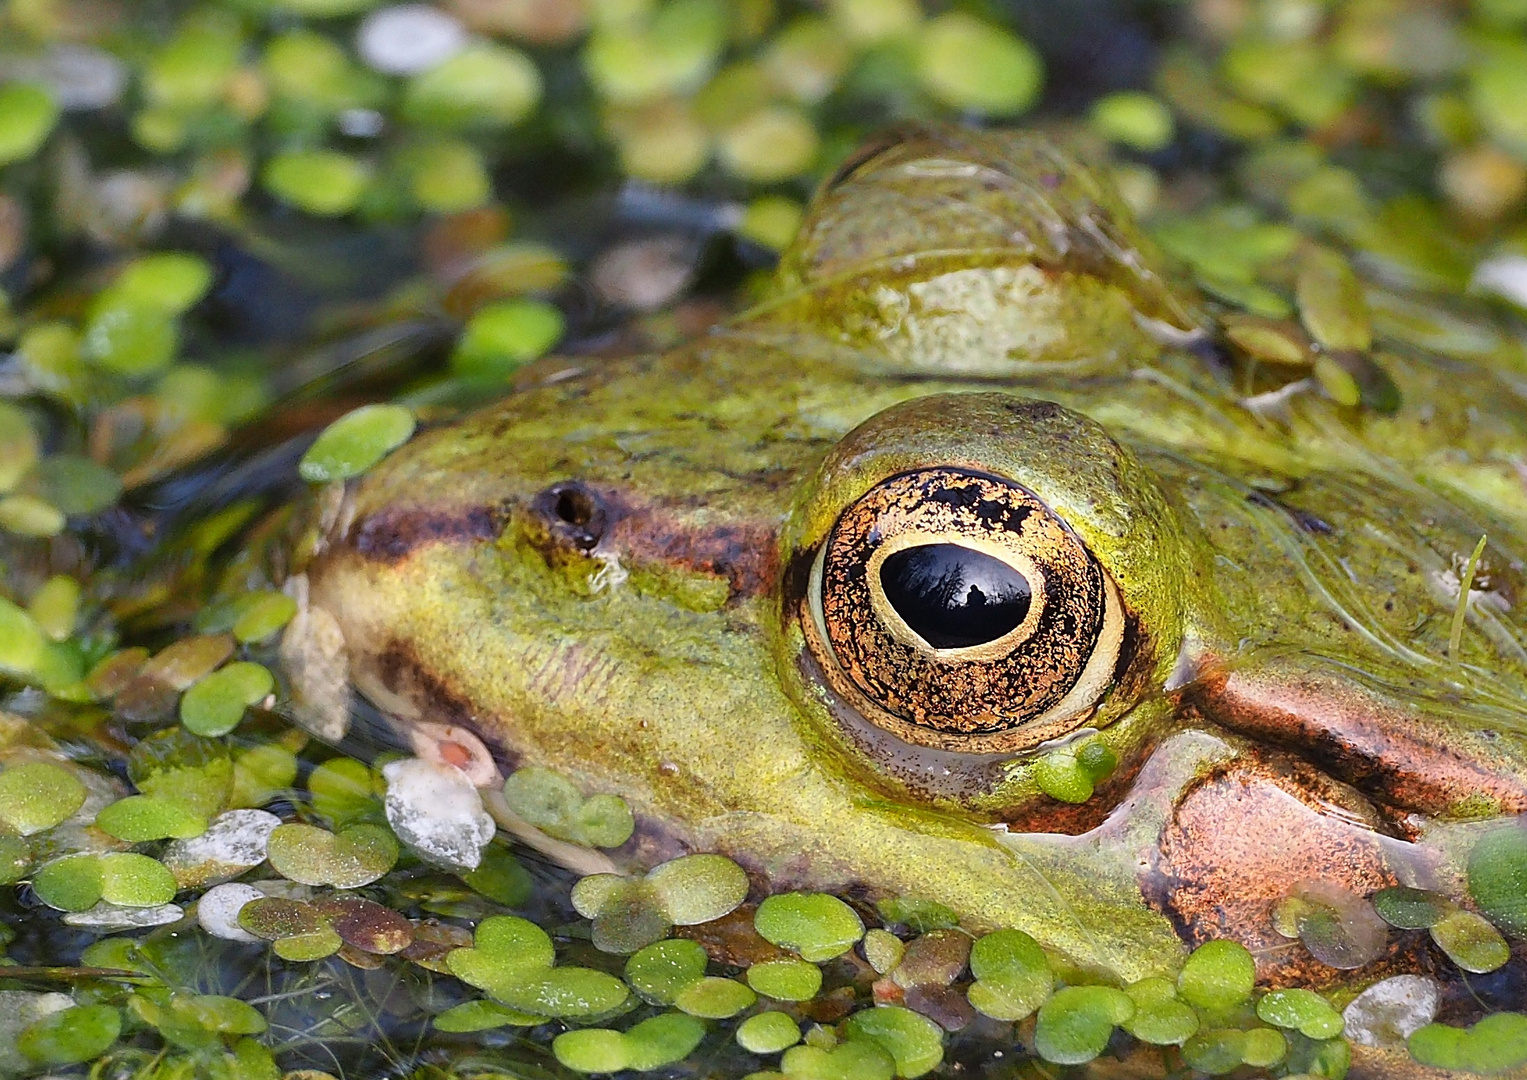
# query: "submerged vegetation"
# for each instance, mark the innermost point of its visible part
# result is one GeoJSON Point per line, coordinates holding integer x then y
{"type": "Point", "coordinates": [227, 227]}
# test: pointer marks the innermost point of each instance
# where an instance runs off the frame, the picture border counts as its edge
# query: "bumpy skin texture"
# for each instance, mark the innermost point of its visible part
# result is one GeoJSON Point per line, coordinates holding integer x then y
{"type": "Point", "coordinates": [1288, 710]}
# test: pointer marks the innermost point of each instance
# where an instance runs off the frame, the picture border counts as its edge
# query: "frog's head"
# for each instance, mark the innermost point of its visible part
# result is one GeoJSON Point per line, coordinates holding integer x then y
{"type": "Point", "coordinates": [973, 579]}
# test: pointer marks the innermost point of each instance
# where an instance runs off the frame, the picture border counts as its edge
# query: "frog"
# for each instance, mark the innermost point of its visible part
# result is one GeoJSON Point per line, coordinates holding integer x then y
{"type": "Point", "coordinates": [971, 493]}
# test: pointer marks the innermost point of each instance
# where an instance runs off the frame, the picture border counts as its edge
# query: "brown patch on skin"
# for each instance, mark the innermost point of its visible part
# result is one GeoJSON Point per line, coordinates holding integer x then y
{"type": "Point", "coordinates": [1373, 744]}
{"type": "Point", "coordinates": [1244, 836]}
{"type": "Point", "coordinates": [391, 535]}
{"type": "Point", "coordinates": [745, 554]}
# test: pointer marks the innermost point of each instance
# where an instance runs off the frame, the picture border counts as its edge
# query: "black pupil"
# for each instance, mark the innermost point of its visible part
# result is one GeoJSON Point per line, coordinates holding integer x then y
{"type": "Point", "coordinates": [952, 596]}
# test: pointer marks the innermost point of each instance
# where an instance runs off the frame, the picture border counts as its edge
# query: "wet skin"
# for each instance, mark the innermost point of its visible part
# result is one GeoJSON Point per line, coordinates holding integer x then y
{"type": "Point", "coordinates": [659, 576]}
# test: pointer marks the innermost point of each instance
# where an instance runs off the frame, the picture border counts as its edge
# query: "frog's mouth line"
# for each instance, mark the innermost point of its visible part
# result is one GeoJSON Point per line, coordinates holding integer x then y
{"type": "Point", "coordinates": [1354, 734]}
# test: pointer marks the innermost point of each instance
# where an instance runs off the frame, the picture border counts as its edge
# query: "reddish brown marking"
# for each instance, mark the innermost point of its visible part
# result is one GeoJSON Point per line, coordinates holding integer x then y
{"type": "Point", "coordinates": [391, 534]}
{"type": "Point", "coordinates": [1402, 756]}
{"type": "Point", "coordinates": [745, 553]}
{"type": "Point", "coordinates": [1244, 836]}
{"type": "Point", "coordinates": [453, 753]}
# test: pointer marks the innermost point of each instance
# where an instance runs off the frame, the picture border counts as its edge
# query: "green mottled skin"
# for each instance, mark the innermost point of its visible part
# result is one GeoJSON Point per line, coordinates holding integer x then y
{"type": "Point", "coordinates": [990, 265]}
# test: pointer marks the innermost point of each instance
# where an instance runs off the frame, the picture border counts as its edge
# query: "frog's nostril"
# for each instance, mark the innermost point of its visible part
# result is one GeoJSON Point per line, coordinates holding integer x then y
{"type": "Point", "coordinates": [574, 512]}
{"type": "Point", "coordinates": [574, 506]}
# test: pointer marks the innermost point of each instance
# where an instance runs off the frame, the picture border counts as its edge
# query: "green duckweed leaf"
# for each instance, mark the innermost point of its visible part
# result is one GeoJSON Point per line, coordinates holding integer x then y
{"type": "Point", "coordinates": [592, 1050]}
{"type": "Point", "coordinates": [342, 790]}
{"type": "Point", "coordinates": [71, 1036]}
{"type": "Point", "coordinates": [714, 998]}
{"type": "Point", "coordinates": [21, 640]}
{"type": "Point", "coordinates": [786, 980]}
{"type": "Point", "coordinates": [663, 1040]}
{"type": "Point", "coordinates": [481, 1016]}
{"type": "Point", "coordinates": [1013, 976]}
{"type": "Point", "coordinates": [1410, 909]}
{"type": "Point", "coordinates": [355, 442]}
{"type": "Point", "coordinates": [1076, 1022]}
{"type": "Point", "coordinates": [214, 706]}
{"type": "Point", "coordinates": [38, 795]}
{"type": "Point", "coordinates": [134, 880]}
{"type": "Point", "coordinates": [816, 925]}
{"type": "Point", "coordinates": [699, 888]}
{"type": "Point", "coordinates": [27, 116]}
{"type": "Point", "coordinates": [1471, 942]}
{"type": "Point", "coordinates": [857, 1059]}
{"type": "Point", "coordinates": [261, 615]}
{"type": "Point", "coordinates": [564, 992]}
{"type": "Point", "coordinates": [919, 914]}
{"type": "Point", "coordinates": [768, 1033]}
{"type": "Point", "coordinates": [139, 818]}
{"type": "Point", "coordinates": [1217, 975]}
{"type": "Point", "coordinates": [1303, 1010]}
{"type": "Point", "coordinates": [349, 859]}
{"type": "Point", "coordinates": [1493, 1045]}
{"type": "Point", "coordinates": [913, 1041]}
{"type": "Point", "coordinates": [659, 972]}
{"type": "Point", "coordinates": [72, 883]}
{"type": "Point", "coordinates": [1160, 1018]}
{"type": "Point", "coordinates": [172, 281]}
{"type": "Point", "coordinates": [1498, 877]}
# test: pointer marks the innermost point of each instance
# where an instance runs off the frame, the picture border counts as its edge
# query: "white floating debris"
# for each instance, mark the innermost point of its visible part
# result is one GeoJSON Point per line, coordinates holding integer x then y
{"type": "Point", "coordinates": [409, 38]}
{"type": "Point", "coordinates": [1504, 276]}
{"type": "Point", "coordinates": [235, 841]}
{"type": "Point", "coordinates": [218, 910]}
{"type": "Point", "coordinates": [1388, 1012]}
{"type": "Point", "coordinates": [108, 916]}
{"type": "Point", "coordinates": [361, 123]}
{"type": "Point", "coordinates": [82, 77]}
{"type": "Point", "coordinates": [435, 810]}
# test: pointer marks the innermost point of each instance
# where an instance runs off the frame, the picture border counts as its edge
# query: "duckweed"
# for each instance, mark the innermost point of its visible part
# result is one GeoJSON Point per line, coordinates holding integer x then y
{"type": "Point", "coordinates": [325, 183]}
{"type": "Point", "coordinates": [1076, 1022]}
{"type": "Point", "coordinates": [262, 614]}
{"type": "Point", "coordinates": [1303, 1010]}
{"type": "Point", "coordinates": [816, 925]}
{"type": "Point", "coordinates": [484, 85]}
{"type": "Point", "coordinates": [214, 706]}
{"type": "Point", "coordinates": [472, 1016]}
{"type": "Point", "coordinates": [1497, 874]}
{"type": "Point", "coordinates": [1160, 1018]}
{"type": "Point", "coordinates": [140, 818]}
{"type": "Point", "coordinates": [355, 442]}
{"type": "Point", "coordinates": [972, 65]}
{"type": "Point", "coordinates": [38, 795]}
{"type": "Point", "coordinates": [504, 336]}
{"type": "Point", "coordinates": [768, 1033]}
{"type": "Point", "coordinates": [1470, 941]}
{"type": "Point", "coordinates": [71, 1036]}
{"type": "Point", "coordinates": [1410, 909]}
{"type": "Point", "coordinates": [348, 859]}
{"type": "Point", "coordinates": [663, 969]}
{"type": "Point", "coordinates": [1495, 1044]}
{"type": "Point", "coordinates": [1217, 975]}
{"type": "Point", "coordinates": [857, 1059]}
{"type": "Point", "coordinates": [715, 998]}
{"type": "Point", "coordinates": [27, 116]}
{"type": "Point", "coordinates": [512, 959]}
{"type": "Point", "coordinates": [786, 980]}
{"type": "Point", "coordinates": [913, 1041]}
{"type": "Point", "coordinates": [1012, 974]}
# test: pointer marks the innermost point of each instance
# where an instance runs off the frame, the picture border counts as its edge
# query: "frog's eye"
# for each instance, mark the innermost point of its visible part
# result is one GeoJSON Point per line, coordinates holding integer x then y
{"type": "Point", "coordinates": [956, 610]}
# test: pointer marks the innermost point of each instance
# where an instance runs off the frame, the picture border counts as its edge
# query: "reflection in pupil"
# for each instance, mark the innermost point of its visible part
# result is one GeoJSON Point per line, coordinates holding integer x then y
{"type": "Point", "coordinates": [952, 596]}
